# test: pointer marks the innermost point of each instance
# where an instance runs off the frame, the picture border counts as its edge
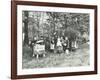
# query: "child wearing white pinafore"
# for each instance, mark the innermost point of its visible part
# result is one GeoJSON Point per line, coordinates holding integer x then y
{"type": "Point", "coordinates": [59, 45]}
{"type": "Point", "coordinates": [59, 42]}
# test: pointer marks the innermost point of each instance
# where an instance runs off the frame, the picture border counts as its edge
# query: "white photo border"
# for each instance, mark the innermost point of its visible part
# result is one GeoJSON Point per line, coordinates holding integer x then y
{"type": "Point", "coordinates": [21, 71]}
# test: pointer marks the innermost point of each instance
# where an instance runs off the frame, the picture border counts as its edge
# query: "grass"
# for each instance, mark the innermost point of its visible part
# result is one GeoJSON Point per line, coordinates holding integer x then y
{"type": "Point", "coordinates": [80, 57]}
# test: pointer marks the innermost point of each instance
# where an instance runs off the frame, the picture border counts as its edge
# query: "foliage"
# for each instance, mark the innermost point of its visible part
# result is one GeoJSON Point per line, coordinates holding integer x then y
{"type": "Point", "coordinates": [47, 23]}
{"type": "Point", "coordinates": [71, 33]}
{"type": "Point", "coordinates": [27, 51]}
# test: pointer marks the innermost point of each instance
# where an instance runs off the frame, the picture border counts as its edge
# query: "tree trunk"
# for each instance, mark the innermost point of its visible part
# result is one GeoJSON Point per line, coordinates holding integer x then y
{"type": "Point", "coordinates": [26, 28]}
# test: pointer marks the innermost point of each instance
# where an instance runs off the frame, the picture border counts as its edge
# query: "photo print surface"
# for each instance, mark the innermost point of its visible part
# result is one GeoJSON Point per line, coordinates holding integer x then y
{"type": "Point", "coordinates": [55, 39]}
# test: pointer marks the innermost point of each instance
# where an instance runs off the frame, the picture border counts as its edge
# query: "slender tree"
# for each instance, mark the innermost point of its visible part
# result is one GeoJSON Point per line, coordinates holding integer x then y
{"type": "Point", "coordinates": [26, 27]}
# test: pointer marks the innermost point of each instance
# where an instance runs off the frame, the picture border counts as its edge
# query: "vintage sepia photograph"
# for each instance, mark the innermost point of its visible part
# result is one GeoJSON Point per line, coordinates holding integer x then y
{"type": "Point", "coordinates": [55, 39]}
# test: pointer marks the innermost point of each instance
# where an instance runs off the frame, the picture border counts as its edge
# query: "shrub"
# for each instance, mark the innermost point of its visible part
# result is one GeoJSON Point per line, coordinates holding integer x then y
{"type": "Point", "coordinates": [27, 51]}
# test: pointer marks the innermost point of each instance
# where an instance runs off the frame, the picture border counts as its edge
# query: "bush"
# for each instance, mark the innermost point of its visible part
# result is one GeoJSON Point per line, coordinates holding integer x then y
{"type": "Point", "coordinates": [27, 51]}
{"type": "Point", "coordinates": [71, 33]}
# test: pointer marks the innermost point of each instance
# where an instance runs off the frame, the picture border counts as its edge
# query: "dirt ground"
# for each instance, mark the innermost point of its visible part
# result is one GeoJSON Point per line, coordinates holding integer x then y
{"type": "Point", "coordinates": [80, 57]}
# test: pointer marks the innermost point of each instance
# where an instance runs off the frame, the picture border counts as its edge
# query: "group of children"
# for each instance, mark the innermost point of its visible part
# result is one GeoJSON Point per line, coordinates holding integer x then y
{"type": "Point", "coordinates": [60, 44]}
{"type": "Point", "coordinates": [56, 44]}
